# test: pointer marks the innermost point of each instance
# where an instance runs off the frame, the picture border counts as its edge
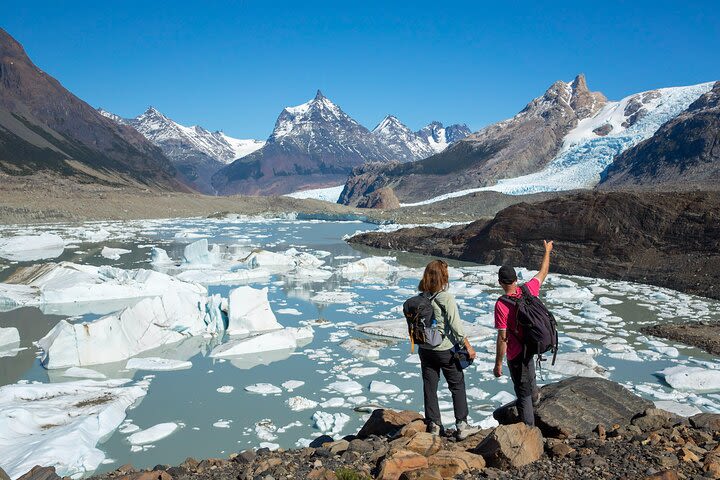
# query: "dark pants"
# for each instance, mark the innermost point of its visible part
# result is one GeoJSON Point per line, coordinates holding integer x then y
{"type": "Point", "coordinates": [522, 373]}
{"type": "Point", "coordinates": [432, 362]}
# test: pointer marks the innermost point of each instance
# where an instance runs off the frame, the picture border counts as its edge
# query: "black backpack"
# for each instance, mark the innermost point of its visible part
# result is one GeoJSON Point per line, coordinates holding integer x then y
{"type": "Point", "coordinates": [539, 328]}
{"type": "Point", "coordinates": [421, 321]}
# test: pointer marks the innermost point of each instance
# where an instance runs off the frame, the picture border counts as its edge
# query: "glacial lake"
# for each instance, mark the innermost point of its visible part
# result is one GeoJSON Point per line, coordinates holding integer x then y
{"type": "Point", "coordinates": [599, 322]}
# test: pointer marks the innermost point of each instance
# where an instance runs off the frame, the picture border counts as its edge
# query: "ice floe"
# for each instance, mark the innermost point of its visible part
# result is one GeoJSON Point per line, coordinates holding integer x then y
{"type": "Point", "coordinates": [153, 434]}
{"type": "Point", "coordinates": [113, 253]}
{"type": "Point", "coordinates": [60, 424]}
{"type": "Point", "coordinates": [330, 423]}
{"type": "Point", "coordinates": [398, 329]}
{"type": "Point", "coordinates": [263, 388]}
{"type": "Point", "coordinates": [26, 248]}
{"type": "Point", "coordinates": [694, 379]}
{"type": "Point", "coordinates": [157, 364]}
{"type": "Point", "coordinates": [285, 339]}
{"type": "Point", "coordinates": [9, 336]}
{"type": "Point", "coordinates": [226, 389]}
{"type": "Point", "coordinates": [249, 312]}
{"type": "Point", "coordinates": [297, 404]}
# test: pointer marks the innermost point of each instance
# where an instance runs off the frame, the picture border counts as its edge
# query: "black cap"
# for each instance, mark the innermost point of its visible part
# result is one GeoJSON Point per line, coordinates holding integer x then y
{"type": "Point", "coordinates": [507, 275]}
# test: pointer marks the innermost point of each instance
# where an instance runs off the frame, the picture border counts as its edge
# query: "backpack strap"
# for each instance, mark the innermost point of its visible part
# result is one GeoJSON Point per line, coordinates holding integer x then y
{"type": "Point", "coordinates": [509, 300]}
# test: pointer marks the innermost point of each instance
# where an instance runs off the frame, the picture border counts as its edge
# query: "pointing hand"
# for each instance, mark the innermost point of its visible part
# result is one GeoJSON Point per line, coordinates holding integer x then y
{"type": "Point", "coordinates": [548, 245]}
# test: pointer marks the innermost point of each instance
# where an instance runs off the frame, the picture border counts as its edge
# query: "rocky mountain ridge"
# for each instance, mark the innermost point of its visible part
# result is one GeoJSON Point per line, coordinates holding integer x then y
{"type": "Point", "coordinates": [196, 152]}
{"type": "Point", "coordinates": [44, 127]}
{"type": "Point", "coordinates": [407, 145]}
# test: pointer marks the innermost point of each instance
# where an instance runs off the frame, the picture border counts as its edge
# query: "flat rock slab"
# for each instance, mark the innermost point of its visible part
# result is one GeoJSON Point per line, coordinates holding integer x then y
{"type": "Point", "coordinates": [579, 404]}
{"type": "Point", "coordinates": [511, 446]}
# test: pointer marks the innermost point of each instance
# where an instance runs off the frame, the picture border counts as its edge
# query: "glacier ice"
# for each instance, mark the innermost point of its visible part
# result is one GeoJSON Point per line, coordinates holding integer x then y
{"type": "Point", "coordinates": [153, 434]}
{"type": "Point", "coordinates": [692, 379]}
{"type": "Point", "coordinates": [9, 336]}
{"type": "Point", "coordinates": [249, 312]}
{"type": "Point", "coordinates": [25, 248]}
{"type": "Point", "coordinates": [60, 424]}
{"type": "Point", "coordinates": [113, 253]}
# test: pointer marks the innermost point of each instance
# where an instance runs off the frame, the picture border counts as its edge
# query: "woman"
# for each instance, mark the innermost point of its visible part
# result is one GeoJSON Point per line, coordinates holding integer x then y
{"type": "Point", "coordinates": [434, 284]}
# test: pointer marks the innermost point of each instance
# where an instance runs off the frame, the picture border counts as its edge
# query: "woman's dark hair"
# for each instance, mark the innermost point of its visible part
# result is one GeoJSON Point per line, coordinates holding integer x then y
{"type": "Point", "coordinates": [435, 278]}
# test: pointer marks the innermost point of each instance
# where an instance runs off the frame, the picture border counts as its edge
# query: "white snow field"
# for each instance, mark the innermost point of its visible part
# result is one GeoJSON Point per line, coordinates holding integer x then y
{"type": "Point", "coordinates": [585, 154]}
{"type": "Point", "coordinates": [61, 424]}
{"type": "Point", "coordinates": [340, 343]}
{"type": "Point", "coordinates": [327, 194]}
{"type": "Point", "coordinates": [25, 248]}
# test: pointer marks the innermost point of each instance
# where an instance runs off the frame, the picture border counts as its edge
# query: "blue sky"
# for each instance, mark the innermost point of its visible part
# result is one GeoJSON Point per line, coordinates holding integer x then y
{"type": "Point", "coordinates": [235, 65]}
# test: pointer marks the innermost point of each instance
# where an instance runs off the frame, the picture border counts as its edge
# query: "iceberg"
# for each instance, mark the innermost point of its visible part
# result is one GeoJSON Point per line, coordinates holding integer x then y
{"type": "Point", "coordinates": [284, 339]}
{"type": "Point", "coordinates": [198, 254]}
{"type": "Point", "coordinates": [384, 388]}
{"type": "Point", "coordinates": [153, 434]}
{"type": "Point", "coordinates": [113, 253]}
{"type": "Point", "coordinates": [70, 288]}
{"type": "Point", "coordinates": [159, 257]}
{"type": "Point", "coordinates": [150, 323]}
{"type": "Point", "coordinates": [398, 329]}
{"type": "Point", "coordinates": [27, 248]}
{"type": "Point", "coordinates": [249, 312]}
{"type": "Point", "coordinates": [61, 424]}
{"type": "Point", "coordinates": [9, 336]}
{"type": "Point", "coordinates": [576, 364]}
{"type": "Point", "coordinates": [330, 423]}
{"type": "Point", "coordinates": [157, 364]}
{"type": "Point", "coordinates": [692, 379]}
{"type": "Point", "coordinates": [370, 266]}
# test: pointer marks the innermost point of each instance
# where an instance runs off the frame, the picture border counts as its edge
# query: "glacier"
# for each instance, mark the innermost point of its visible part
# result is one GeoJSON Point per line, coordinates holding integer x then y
{"type": "Point", "coordinates": [585, 154]}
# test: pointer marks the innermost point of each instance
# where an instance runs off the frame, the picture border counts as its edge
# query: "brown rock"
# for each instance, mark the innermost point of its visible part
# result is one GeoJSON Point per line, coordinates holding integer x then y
{"type": "Point", "coordinates": [511, 446]}
{"type": "Point", "coordinates": [687, 455]}
{"type": "Point", "coordinates": [321, 473]}
{"type": "Point", "coordinates": [666, 475]}
{"type": "Point", "coordinates": [561, 450]}
{"type": "Point", "coordinates": [424, 443]}
{"type": "Point", "coordinates": [706, 421]}
{"type": "Point", "coordinates": [712, 466]}
{"type": "Point", "coordinates": [394, 466]}
{"type": "Point", "coordinates": [338, 446]}
{"type": "Point", "coordinates": [191, 464]}
{"type": "Point", "coordinates": [127, 468]}
{"type": "Point", "coordinates": [413, 427]}
{"type": "Point", "coordinates": [3, 475]}
{"type": "Point", "coordinates": [385, 421]}
{"type": "Point", "coordinates": [151, 475]}
{"type": "Point", "coordinates": [453, 463]}
{"type": "Point", "coordinates": [41, 473]}
{"type": "Point", "coordinates": [383, 198]}
{"type": "Point", "coordinates": [422, 474]}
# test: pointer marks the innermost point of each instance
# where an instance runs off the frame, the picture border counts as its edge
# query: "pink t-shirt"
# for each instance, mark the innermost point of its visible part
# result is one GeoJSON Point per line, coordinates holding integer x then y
{"type": "Point", "coordinates": [505, 319]}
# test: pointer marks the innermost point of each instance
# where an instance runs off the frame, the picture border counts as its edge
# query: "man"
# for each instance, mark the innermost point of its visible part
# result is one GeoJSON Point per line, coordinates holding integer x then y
{"type": "Point", "coordinates": [522, 370]}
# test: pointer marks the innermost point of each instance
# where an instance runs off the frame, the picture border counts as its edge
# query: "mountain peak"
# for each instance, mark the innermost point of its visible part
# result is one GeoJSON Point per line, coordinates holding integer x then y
{"type": "Point", "coordinates": [319, 95]}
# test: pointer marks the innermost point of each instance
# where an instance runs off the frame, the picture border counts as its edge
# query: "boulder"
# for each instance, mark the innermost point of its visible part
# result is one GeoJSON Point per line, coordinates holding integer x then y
{"type": "Point", "coordinates": [383, 198]}
{"type": "Point", "coordinates": [41, 473]}
{"type": "Point", "coordinates": [400, 462]}
{"type": "Point", "coordinates": [387, 422]}
{"type": "Point", "coordinates": [412, 428]}
{"type": "Point", "coordinates": [424, 443]}
{"type": "Point", "coordinates": [511, 446]}
{"type": "Point", "coordinates": [422, 474]}
{"type": "Point", "coordinates": [706, 421]}
{"type": "Point", "coordinates": [577, 405]}
{"type": "Point", "coordinates": [3, 475]}
{"type": "Point", "coordinates": [453, 463]}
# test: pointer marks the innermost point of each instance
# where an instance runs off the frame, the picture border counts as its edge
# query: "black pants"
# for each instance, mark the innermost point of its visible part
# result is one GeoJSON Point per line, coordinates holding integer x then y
{"type": "Point", "coordinates": [522, 373]}
{"type": "Point", "coordinates": [432, 362]}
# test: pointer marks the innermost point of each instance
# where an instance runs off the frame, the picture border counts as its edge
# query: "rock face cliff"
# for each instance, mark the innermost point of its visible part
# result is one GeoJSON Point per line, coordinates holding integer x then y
{"type": "Point", "coordinates": [517, 146]}
{"type": "Point", "coordinates": [667, 239]}
{"type": "Point", "coordinates": [45, 128]}
{"type": "Point", "coordinates": [684, 153]}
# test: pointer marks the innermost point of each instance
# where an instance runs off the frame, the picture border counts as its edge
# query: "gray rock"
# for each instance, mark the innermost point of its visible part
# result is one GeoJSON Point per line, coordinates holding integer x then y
{"type": "Point", "coordinates": [41, 473]}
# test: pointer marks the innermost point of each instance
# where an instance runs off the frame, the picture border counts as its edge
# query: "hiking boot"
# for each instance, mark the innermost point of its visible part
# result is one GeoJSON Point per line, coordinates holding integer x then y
{"type": "Point", "coordinates": [464, 430]}
{"type": "Point", "coordinates": [434, 429]}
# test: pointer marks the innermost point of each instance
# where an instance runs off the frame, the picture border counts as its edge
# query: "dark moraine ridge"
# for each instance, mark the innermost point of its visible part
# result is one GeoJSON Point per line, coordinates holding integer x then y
{"type": "Point", "coordinates": [666, 239]}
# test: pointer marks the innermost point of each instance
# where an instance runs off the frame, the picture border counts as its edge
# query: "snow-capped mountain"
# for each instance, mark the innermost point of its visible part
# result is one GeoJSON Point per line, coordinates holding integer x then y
{"type": "Point", "coordinates": [407, 145]}
{"type": "Point", "coordinates": [315, 144]}
{"type": "Point", "coordinates": [195, 151]}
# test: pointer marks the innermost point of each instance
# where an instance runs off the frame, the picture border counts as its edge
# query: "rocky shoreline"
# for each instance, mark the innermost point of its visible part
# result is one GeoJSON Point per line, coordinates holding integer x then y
{"type": "Point", "coordinates": [664, 239]}
{"type": "Point", "coordinates": [704, 335]}
{"type": "Point", "coordinates": [623, 444]}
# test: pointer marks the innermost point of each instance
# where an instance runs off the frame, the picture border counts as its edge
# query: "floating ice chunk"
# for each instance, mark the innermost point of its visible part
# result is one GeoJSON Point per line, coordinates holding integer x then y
{"type": "Point", "coordinates": [249, 312]}
{"type": "Point", "coordinates": [289, 311]}
{"type": "Point", "coordinates": [502, 397]}
{"type": "Point", "coordinates": [79, 372]}
{"type": "Point", "coordinates": [226, 389]}
{"type": "Point", "coordinates": [265, 430]}
{"type": "Point", "coordinates": [197, 254]}
{"type": "Point", "coordinates": [398, 329]}
{"type": "Point", "coordinates": [576, 364]}
{"type": "Point", "coordinates": [363, 348]}
{"type": "Point", "coordinates": [334, 402]}
{"type": "Point", "coordinates": [693, 379]}
{"type": "Point", "coordinates": [384, 388]}
{"type": "Point", "coordinates": [269, 445]}
{"type": "Point", "coordinates": [9, 336]}
{"type": "Point", "coordinates": [285, 339]}
{"type": "Point", "coordinates": [609, 301]}
{"type": "Point", "coordinates": [153, 434]}
{"type": "Point", "coordinates": [222, 424]}
{"type": "Point", "coordinates": [413, 358]}
{"type": "Point", "coordinates": [113, 253]}
{"type": "Point", "coordinates": [297, 404]}
{"type": "Point", "coordinates": [263, 258]}
{"type": "Point", "coordinates": [330, 423]}
{"type": "Point", "coordinates": [222, 277]}
{"type": "Point", "coordinates": [150, 323]}
{"type": "Point", "coordinates": [158, 256]}
{"type": "Point", "coordinates": [667, 351]}
{"type": "Point", "coordinates": [157, 364]}
{"type": "Point", "coordinates": [26, 248]}
{"type": "Point", "coordinates": [60, 424]}
{"type": "Point", "coordinates": [347, 387]}
{"type": "Point", "coordinates": [567, 294]}
{"type": "Point", "coordinates": [363, 371]}
{"type": "Point", "coordinates": [367, 266]}
{"type": "Point", "coordinates": [477, 393]}
{"type": "Point", "coordinates": [334, 297]}
{"type": "Point", "coordinates": [682, 409]}
{"type": "Point", "coordinates": [291, 385]}
{"type": "Point", "coordinates": [488, 422]}
{"type": "Point", "coordinates": [263, 389]}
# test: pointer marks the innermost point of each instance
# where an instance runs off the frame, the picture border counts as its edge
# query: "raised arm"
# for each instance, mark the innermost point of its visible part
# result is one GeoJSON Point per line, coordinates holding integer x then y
{"type": "Point", "coordinates": [545, 267]}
